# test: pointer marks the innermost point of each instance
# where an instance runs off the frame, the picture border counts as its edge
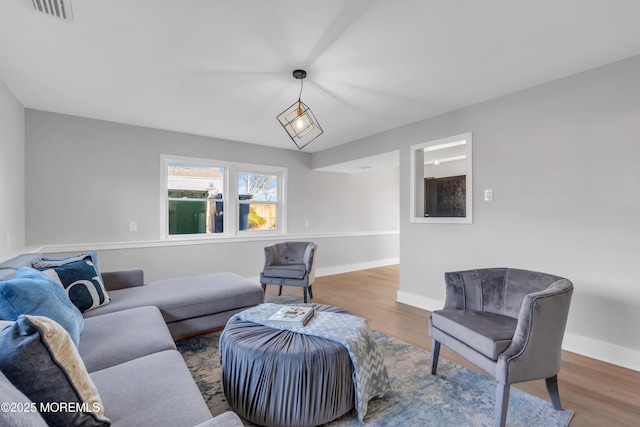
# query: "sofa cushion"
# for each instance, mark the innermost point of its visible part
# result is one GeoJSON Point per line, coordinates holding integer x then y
{"type": "Point", "coordinates": [119, 337]}
{"type": "Point", "coordinates": [289, 271]}
{"type": "Point", "coordinates": [167, 395]}
{"type": "Point", "coordinates": [226, 419]}
{"type": "Point", "coordinates": [18, 410]}
{"type": "Point", "coordinates": [488, 333]}
{"type": "Point", "coordinates": [39, 358]}
{"type": "Point", "coordinates": [188, 297]}
{"type": "Point", "coordinates": [32, 292]}
{"type": "Point", "coordinates": [79, 276]}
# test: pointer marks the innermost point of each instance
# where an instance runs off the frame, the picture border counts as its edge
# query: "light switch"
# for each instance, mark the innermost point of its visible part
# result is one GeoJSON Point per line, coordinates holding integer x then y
{"type": "Point", "coordinates": [488, 195]}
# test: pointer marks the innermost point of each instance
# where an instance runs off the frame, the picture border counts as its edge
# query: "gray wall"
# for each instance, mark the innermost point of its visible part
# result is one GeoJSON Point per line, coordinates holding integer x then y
{"type": "Point", "coordinates": [87, 179]}
{"type": "Point", "coordinates": [562, 160]}
{"type": "Point", "coordinates": [12, 185]}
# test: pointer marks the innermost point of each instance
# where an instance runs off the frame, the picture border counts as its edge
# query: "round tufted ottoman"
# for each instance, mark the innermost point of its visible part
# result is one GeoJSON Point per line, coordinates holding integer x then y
{"type": "Point", "coordinates": [281, 378]}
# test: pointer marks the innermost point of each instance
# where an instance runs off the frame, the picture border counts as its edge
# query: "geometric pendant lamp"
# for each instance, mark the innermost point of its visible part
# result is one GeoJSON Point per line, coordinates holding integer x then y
{"type": "Point", "coordinates": [298, 120]}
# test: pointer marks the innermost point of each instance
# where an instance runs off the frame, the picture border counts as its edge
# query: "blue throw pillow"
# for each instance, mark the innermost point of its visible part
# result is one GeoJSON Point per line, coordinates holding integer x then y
{"type": "Point", "coordinates": [32, 292]}
{"type": "Point", "coordinates": [79, 276]}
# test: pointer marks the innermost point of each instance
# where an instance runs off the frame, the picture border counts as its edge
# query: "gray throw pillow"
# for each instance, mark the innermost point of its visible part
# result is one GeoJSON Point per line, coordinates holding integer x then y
{"type": "Point", "coordinates": [39, 358]}
{"type": "Point", "coordinates": [17, 410]}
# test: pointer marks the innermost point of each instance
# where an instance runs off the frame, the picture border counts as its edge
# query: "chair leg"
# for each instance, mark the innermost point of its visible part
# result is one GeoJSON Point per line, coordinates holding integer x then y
{"type": "Point", "coordinates": [304, 289]}
{"type": "Point", "coordinates": [502, 403]}
{"type": "Point", "coordinates": [435, 354]}
{"type": "Point", "coordinates": [554, 393]}
{"type": "Point", "coordinates": [310, 292]}
{"type": "Point", "coordinates": [280, 291]}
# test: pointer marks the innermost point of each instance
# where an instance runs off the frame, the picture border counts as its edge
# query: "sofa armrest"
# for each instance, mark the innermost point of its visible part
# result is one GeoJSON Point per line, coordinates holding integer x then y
{"type": "Point", "coordinates": [309, 255]}
{"type": "Point", "coordinates": [310, 261]}
{"type": "Point", "coordinates": [535, 351]}
{"type": "Point", "coordinates": [121, 279]}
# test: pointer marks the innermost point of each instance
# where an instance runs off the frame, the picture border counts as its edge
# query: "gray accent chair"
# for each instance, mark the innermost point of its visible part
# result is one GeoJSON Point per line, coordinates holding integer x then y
{"type": "Point", "coordinates": [508, 322]}
{"type": "Point", "coordinates": [290, 264]}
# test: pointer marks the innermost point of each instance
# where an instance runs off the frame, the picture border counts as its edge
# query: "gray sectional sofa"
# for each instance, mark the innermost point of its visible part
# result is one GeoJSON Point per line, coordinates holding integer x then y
{"type": "Point", "coordinates": [127, 346]}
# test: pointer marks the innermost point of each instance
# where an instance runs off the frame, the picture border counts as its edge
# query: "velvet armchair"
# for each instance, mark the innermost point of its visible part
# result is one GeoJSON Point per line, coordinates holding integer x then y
{"type": "Point", "coordinates": [508, 322]}
{"type": "Point", "coordinates": [290, 264]}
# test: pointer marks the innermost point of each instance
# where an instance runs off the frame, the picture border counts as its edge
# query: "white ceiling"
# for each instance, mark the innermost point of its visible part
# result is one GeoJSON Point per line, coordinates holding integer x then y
{"type": "Point", "coordinates": [222, 68]}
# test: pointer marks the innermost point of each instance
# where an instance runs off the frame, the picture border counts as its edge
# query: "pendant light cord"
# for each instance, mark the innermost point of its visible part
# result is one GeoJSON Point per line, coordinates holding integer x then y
{"type": "Point", "coordinates": [300, 94]}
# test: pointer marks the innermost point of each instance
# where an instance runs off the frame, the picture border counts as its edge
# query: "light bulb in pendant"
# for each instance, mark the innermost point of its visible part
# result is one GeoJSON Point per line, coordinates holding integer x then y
{"type": "Point", "coordinates": [300, 120]}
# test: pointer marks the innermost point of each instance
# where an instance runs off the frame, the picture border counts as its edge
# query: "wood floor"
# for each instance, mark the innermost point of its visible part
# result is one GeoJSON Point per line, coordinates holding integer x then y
{"type": "Point", "coordinates": [601, 394]}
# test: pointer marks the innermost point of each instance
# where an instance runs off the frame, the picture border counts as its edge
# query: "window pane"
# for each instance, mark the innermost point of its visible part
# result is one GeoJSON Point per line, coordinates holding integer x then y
{"type": "Point", "coordinates": [193, 217]}
{"type": "Point", "coordinates": [195, 182]}
{"type": "Point", "coordinates": [262, 216]}
{"type": "Point", "coordinates": [199, 209]}
{"type": "Point", "coordinates": [256, 186]}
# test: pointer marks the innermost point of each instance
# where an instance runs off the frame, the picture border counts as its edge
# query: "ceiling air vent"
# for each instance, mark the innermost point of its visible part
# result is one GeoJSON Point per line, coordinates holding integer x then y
{"type": "Point", "coordinates": [56, 8]}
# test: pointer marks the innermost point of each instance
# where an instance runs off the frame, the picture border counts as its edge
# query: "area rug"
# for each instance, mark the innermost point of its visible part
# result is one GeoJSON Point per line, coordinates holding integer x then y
{"type": "Point", "coordinates": [457, 396]}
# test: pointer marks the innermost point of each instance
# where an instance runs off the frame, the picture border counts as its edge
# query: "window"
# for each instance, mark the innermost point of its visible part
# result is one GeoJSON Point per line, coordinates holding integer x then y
{"type": "Point", "coordinates": [198, 198]}
{"type": "Point", "coordinates": [258, 201]}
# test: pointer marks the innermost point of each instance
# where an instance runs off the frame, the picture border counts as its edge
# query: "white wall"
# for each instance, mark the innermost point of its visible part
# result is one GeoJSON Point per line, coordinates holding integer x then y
{"type": "Point", "coordinates": [562, 160]}
{"type": "Point", "coordinates": [12, 180]}
{"type": "Point", "coordinates": [87, 179]}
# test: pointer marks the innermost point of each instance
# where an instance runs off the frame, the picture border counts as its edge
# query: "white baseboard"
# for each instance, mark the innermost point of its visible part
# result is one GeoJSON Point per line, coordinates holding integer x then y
{"type": "Point", "coordinates": [600, 350]}
{"type": "Point", "coordinates": [607, 352]}
{"type": "Point", "coordinates": [346, 268]}
{"type": "Point", "coordinates": [419, 301]}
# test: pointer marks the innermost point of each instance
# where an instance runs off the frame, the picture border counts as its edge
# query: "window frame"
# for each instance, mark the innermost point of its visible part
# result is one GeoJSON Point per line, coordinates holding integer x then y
{"type": "Point", "coordinates": [231, 220]}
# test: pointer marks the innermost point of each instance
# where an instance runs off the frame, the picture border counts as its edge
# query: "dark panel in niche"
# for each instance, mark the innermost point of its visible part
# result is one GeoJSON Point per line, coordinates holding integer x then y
{"type": "Point", "coordinates": [445, 197]}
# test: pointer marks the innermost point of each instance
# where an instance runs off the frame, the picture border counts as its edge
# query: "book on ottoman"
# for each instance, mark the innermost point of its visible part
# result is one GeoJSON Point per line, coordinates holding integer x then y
{"type": "Point", "coordinates": [292, 316]}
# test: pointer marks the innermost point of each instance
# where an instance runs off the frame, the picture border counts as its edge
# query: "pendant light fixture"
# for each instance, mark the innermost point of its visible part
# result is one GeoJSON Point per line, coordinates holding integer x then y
{"type": "Point", "coordinates": [298, 120]}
